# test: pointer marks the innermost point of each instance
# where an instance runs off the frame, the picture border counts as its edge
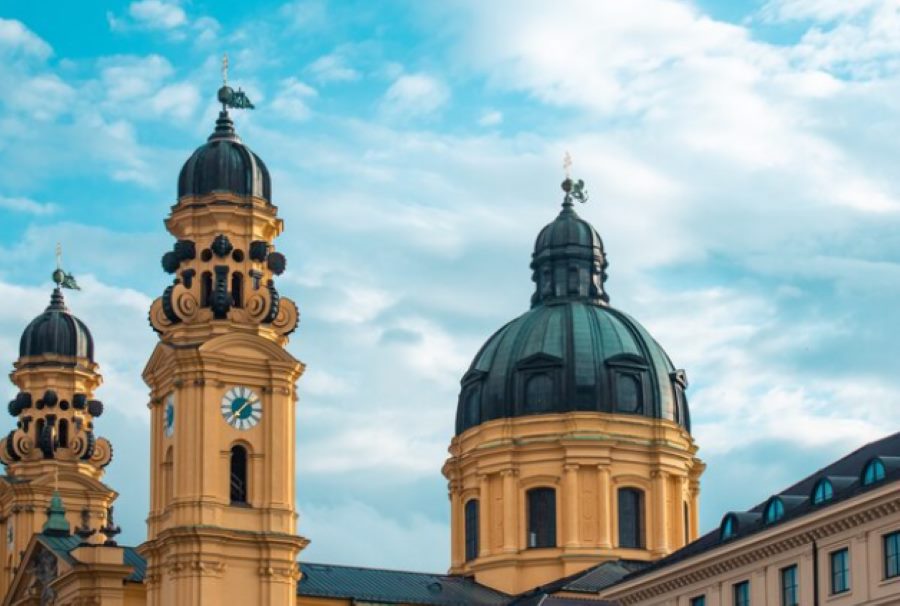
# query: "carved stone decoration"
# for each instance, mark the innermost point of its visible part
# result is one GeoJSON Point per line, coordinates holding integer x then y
{"type": "Point", "coordinates": [83, 446]}
{"type": "Point", "coordinates": [257, 307]}
{"type": "Point", "coordinates": [274, 303]}
{"type": "Point", "coordinates": [159, 320]}
{"type": "Point", "coordinates": [48, 440]}
{"type": "Point", "coordinates": [288, 317]}
{"type": "Point", "coordinates": [102, 454]}
{"type": "Point", "coordinates": [277, 263]}
{"type": "Point", "coordinates": [258, 250]}
{"type": "Point", "coordinates": [95, 408]}
{"type": "Point", "coordinates": [185, 250]}
{"type": "Point", "coordinates": [221, 246]}
{"type": "Point", "coordinates": [110, 530]}
{"type": "Point", "coordinates": [84, 531]}
{"type": "Point", "coordinates": [170, 262]}
{"type": "Point", "coordinates": [167, 307]}
{"type": "Point", "coordinates": [220, 299]}
{"type": "Point", "coordinates": [186, 305]}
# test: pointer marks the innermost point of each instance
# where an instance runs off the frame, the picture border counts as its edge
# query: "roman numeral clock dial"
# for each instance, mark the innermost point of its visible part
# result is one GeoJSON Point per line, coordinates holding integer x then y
{"type": "Point", "coordinates": [241, 408]}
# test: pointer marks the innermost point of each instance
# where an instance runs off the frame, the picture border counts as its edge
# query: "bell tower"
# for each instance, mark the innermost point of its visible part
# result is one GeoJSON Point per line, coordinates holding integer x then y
{"type": "Point", "coordinates": [53, 448]}
{"type": "Point", "coordinates": [222, 523]}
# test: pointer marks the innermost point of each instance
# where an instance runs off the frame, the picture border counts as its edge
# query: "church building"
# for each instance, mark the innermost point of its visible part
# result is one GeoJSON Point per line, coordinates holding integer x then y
{"type": "Point", "coordinates": [572, 475]}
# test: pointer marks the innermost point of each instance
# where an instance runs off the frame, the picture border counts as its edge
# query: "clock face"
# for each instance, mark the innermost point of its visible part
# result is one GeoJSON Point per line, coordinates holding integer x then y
{"type": "Point", "coordinates": [241, 408]}
{"type": "Point", "coordinates": [169, 415]}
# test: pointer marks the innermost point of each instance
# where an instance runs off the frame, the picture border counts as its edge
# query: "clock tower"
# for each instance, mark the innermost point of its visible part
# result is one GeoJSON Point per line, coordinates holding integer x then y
{"type": "Point", "coordinates": [222, 523]}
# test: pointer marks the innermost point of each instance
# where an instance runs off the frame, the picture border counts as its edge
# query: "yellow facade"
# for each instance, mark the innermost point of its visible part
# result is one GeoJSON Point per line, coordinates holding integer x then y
{"type": "Point", "coordinates": [585, 458]}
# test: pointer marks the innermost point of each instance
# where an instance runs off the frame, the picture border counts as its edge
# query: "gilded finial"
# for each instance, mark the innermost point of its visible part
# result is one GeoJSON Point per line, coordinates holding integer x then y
{"type": "Point", "coordinates": [60, 277]}
{"type": "Point", "coordinates": [229, 97]}
{"type": "Point", "coordinates": [574, 189]}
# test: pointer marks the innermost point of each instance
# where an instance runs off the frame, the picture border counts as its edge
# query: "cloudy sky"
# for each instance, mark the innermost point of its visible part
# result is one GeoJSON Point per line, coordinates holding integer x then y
{"type": "Point", "coordinates": [741, 157]}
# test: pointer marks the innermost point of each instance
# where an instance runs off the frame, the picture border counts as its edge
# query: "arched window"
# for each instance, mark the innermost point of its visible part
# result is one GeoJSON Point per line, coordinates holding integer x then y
{"type": "Point", "coordinates": [631, 517]}
{"type": "Point", "coordinates": [874, 472]}
{"type": "Point", "coordinates": [574, 282]}
{"type": "Point", "coordinates": [687, 523]}
{"type": "Point", "coordinates": [205, 288]}
{"type": "Point", "coordinates": [628, 393]}
{"type": "Point", "coordinates": [63, 435]}
{"type": "Point", "coordinates": [774, 510]}
{"type": "Point", "coordinates": [538, 393]}
{"type": "Point", "coordinates": [237, 289]}
{"type": "Point", "coordinates": [238, 475]}
{"type": "Point", "coordinates": [541, 517]}
{"type": "Point", "coordinates": [471, 529]}
{"type": "Point", "coordinates": [824, 491]}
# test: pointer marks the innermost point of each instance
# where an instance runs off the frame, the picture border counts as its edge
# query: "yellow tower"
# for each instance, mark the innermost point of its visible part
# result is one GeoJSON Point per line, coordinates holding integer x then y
{"type": "Point", "coordinates": [572, 441]}
{"type": "Point", "coordinates": [54, 447]}
{"type": "Point", "coordinates": [222, 523]}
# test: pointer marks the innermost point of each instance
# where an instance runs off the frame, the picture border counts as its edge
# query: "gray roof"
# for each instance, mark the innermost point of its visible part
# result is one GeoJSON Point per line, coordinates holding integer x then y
{"type": "Point", "coordinates": [224, 164]}
{"type": "Point", "coordinates": [57, 331]}
{"type": "Point", "coordinates": [394, 586]}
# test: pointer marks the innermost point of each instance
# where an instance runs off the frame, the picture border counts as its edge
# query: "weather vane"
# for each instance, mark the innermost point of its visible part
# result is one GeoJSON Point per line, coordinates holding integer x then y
{"type": "Point", "coordinates": [63, 279]}
{"type": "Point", "coordinates": [229, 97]}
{"type": "Point", "coordinates": [574, 189]}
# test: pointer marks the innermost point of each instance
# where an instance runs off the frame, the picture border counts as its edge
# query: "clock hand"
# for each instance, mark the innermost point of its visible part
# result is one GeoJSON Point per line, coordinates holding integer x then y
{"type": "Point", "coordinates": [235, 413]}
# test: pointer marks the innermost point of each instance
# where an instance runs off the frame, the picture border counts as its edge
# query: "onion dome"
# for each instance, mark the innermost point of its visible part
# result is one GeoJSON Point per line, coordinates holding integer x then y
{"type": "Point", "coordinates": [571, 351]}
{"type": "Point", "coordinates": [57, 331]}
{"type": "Point", "coordinates": [224, 164]}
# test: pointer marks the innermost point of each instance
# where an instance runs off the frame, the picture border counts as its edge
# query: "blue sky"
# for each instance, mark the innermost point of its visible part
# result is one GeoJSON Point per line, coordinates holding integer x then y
{"type": "Point", "coordinates": [741, 159]}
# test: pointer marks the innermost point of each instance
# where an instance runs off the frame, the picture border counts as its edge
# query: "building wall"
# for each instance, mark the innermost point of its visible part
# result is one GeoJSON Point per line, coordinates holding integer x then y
{"type": "Point", "coordinates": [586, 458]}
{"type": "Point", "coordinates": [858, 524]}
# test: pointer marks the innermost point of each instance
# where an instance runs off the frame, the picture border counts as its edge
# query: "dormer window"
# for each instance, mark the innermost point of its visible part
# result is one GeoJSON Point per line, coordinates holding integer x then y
{"type": "Point", "coordinates": [824, 491]}
{"type": "Point", "coordinates": [873, 472]}
{"type": "Point", "coordinates": [728, 529]}
{"type": "Point", "coordinates": [774, 510]}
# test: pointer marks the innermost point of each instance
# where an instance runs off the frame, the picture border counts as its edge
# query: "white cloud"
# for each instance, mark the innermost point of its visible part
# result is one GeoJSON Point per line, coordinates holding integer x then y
{"type": "Point", "coordinates": [156, 14]}
{"type": "Point", "coordinates": [43, 97]}
{"type": "Point", "coordinates": [14, 36]}
{"type": "Point", "coordinates": [415, 95]}
{"type": "Point", "coordinates": [129, 77]}
{"type": "Point", "coordinates": [27, 205]}
{"type": "Point", "coordinates": [332, 68]}
{"type": "Point", "coordinates": [291, 100]}
{"type": "Point", "coordinates": [491, 117]}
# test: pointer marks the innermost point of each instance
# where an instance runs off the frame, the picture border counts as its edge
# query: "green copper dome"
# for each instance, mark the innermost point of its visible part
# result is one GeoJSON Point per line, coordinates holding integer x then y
{"type": "Point", "coordinates": [571, 351]}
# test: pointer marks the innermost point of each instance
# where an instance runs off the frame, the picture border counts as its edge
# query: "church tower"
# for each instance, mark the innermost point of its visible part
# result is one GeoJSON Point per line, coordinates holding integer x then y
{"type": "Point", "coordinates": [573, 442]}
{"type": "Point", "coordinates": [54, 448]}
{"type": "Point", "coordinates": [222, 523]}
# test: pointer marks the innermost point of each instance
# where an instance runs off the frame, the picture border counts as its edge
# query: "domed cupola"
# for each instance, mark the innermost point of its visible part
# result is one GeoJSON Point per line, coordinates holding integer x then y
{"type": "Point", "coordinates": [57, 332]}
{"type": "Point", "coordinates": [224, 163]}
{"type": "Point", "coordinates": [568, 260]}
{"type": "Point", "coordinates": [572, 351]}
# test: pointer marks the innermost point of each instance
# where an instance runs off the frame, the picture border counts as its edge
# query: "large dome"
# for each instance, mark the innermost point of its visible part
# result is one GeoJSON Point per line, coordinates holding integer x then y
{"type": "Point", "coordinates": [224, 164]}
{"type": "Point", "coordinates": [571, 351]}
{"type": "Point", "coordinates": [57, 331]}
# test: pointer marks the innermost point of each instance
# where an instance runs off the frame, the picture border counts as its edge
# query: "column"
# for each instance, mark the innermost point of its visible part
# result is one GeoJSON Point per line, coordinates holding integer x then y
{"type": "Point", "coordinates": [605, 514]}
{"type": "Point", "coordinates": [570, 504]}
{"type": "Point", "coordinates": [660, 543]}
{"type": "Point", "coordinates": [484, 515]}
{"type": "Point", "coordinates": [695, 508]}
{"type": "Point", "coordinates": [510, 509]}
{"type": "Point", "coordinates": [678, 507]}
{"type": "Point", "coordinates": [457, 526]}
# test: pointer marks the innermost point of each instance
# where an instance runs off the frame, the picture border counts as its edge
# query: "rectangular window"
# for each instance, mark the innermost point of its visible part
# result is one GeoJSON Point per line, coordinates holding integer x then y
{"type": "Point", "coordinates": [892, 555]}
{"type": "Point", "coordinates": [742, 594]}
{"type": "Point", "coordinates": [700, 600]}
{"type": "Point", "coordinates": [840, 571]}
{"type": "Point", "coordinates": [789, 586]}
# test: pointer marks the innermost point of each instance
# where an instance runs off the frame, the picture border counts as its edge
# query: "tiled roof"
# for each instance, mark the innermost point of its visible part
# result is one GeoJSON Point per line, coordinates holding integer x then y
{"type": "Point", "coordinates": [394, 586]}
{"type": "Point", "coordinates": [63, 545]}
{"type": "Point", "coordinates": [751, 521]}
{"type": "Point", "coordinates": [603, 575]}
